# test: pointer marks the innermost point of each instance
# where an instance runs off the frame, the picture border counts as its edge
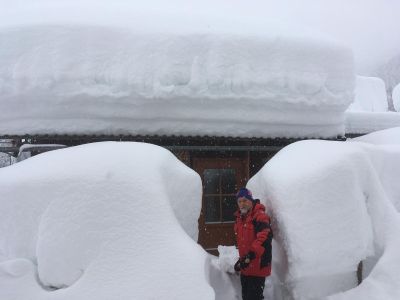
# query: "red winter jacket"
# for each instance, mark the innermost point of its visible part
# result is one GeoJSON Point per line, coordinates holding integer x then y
{"type": "Point", "coordinates": [253, 233]}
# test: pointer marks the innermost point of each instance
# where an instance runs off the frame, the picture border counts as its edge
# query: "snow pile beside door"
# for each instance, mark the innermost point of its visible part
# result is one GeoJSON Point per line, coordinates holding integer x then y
{"type": "Point", "coordinates": [332, 208]}
{"type": "Point", "coordinates": [98, 222]}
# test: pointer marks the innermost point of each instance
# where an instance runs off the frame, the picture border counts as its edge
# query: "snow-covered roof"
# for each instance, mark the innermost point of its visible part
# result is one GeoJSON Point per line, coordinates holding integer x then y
{"type": "Point", "coordinates": [93, 75]}
{"type": "Point", "coordinates": [370, 95]}
{"type": "Point", "coordinates": [367, 122]}
{"type": "Point", "coordinates": [369, 111]}
{"type": "Point", "coordinates": [389, 136]}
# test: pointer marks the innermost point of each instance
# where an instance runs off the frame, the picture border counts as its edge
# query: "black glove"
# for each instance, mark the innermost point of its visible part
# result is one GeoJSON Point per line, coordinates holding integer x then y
{"type": "Point", "coordinates": [244, 261]}
{"type": "Point", "coordinates": [237, 266]}
{"type": "Point", "coordinates": [251, 255]}
{"type": "Point", "coordinates": [240, 265]}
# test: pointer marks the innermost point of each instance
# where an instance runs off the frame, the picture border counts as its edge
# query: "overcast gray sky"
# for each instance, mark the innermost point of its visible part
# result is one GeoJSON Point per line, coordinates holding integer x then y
{"type": "Point", "coordinates": [370, 27]}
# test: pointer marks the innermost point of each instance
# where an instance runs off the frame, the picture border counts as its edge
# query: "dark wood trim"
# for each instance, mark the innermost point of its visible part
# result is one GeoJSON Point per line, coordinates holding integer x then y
{"type": "Point", "coordinates": [170, 140]}
{"type": "Point", "coordinates": [221, 229]}
{"type": "Point", "coordinates": [220, 224]}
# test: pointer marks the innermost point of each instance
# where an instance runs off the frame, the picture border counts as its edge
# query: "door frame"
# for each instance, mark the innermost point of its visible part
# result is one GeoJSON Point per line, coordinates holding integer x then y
{"type": "Point", "coordinates": [241, 165]}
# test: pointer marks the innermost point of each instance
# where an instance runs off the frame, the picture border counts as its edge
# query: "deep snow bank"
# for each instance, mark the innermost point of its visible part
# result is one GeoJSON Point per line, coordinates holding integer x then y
{"type": "Point", "coordinates": [106, 221]}
{"type": "Point", "coordinates": [98, 74]}
{"type": "Point", "coordinates": [331, 207]}
{"type": "Point", "coordinates": [388, 165]}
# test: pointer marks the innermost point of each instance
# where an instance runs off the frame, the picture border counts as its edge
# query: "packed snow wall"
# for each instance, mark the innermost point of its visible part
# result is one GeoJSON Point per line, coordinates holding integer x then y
{"type": "Point", "coordinates": [101, 221]}
{"type": "Point", "coordinates": [334, 205]}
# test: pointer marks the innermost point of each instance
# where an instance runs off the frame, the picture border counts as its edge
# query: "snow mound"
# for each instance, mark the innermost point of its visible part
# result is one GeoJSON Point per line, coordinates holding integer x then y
{"type": "Point", "coordinates": [370, 95]}
{"type": "Point", "coordinates": [228, 256]}
{"type": "Point", "coordinates": [204, 77]}
{"type": "Point", "coordinates": [102, 221]}
{"type": "Point", "coordinates": [333, 206]}
{"type": "Point", "coordinates": [226, 280]}
{"type": "Point", "coordinates": [396, 97]}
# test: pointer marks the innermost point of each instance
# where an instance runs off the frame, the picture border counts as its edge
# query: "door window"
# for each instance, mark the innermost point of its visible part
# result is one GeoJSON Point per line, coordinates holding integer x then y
{"type": "Point", "coordinates": [219, 195]}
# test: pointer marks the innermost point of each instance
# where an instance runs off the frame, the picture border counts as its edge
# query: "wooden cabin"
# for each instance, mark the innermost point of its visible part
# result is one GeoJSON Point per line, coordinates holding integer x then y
{"type": "Point", "coordinates": [224, 113]}
{"type": "Point", "coordinates": [224, 164]}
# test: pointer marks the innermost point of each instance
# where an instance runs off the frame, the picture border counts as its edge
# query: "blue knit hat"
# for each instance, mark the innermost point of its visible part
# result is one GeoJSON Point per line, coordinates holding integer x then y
{"type": "Point", "coordinates": [244, 193]}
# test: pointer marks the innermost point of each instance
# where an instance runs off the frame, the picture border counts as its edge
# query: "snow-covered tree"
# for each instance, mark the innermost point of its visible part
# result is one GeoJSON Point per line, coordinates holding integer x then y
{"type": "Point", "coordinates": [5, 160]}
{"type": "Point", "coordinates": [390, 73]}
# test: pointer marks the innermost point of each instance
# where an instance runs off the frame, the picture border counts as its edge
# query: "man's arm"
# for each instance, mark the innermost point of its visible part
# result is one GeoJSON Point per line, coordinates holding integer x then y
{"type": "Point", "coordinates": [262, 229]}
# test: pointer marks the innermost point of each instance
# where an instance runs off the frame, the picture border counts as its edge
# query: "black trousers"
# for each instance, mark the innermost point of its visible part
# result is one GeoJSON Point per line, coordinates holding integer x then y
{"type": "Point", "coordinates": [252, 287]}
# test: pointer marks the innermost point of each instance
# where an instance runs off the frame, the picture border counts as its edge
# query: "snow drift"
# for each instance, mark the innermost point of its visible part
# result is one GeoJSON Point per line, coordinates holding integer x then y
{"type": "Point", "coordinates": [333, 206]}
{"type": "Point", "coordinates": [209, 76]}
{"type": "Point", "coordinates": [101, 221]}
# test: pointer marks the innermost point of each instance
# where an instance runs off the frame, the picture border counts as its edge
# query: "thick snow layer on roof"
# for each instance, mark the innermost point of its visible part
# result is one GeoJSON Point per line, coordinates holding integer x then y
{"type": "Point", "coordinates": [83, 71]}
{"type": "Point", "coordinates": [396, 97]}
{"type": "Point", "coordinates": [370, 95]}
{"type": "Point", "coordinates": [102, 221]}
{"type": "Point", "coordinates": [389, 136]}
{"type": "Point", "coordinates": [358, 122]}
{"type": "Point", "coordinates": [333, 205]}
{"type": "Point", "coordinates": [369, 111]}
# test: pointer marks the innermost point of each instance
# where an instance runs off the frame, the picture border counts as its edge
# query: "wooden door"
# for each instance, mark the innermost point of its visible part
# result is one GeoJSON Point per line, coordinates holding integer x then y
{"type": "Point", "coordinates": [221, 178]}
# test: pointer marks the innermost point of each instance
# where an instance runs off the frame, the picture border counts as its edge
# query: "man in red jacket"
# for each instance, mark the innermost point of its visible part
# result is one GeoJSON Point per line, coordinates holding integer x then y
{"type": "Point", "coordinates": [254, 237]}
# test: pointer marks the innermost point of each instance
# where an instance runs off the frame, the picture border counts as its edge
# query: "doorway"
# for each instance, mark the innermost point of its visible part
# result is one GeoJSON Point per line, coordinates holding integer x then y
{"type": "Point", "coordinates": [221, 178]}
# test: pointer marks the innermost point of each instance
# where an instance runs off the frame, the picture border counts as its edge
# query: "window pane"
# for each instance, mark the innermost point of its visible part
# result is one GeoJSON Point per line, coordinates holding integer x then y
{"type": "Point", "coordinates": [211, 181]}
{"type": "Point", "coordinates": [229, 207]}
{"type": "Point", "coordinates": [228, 181]}
{"type": "Point", "coordinates": [212, 209]}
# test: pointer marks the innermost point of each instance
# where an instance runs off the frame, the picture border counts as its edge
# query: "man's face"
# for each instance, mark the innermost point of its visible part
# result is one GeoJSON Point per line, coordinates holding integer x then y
{"type": "Point", "coordinates": [244, 205]}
